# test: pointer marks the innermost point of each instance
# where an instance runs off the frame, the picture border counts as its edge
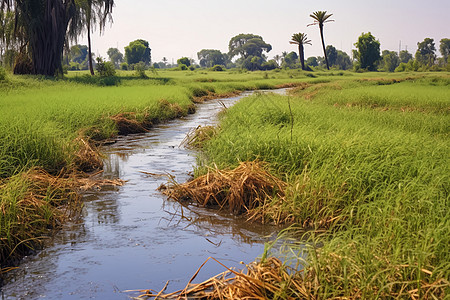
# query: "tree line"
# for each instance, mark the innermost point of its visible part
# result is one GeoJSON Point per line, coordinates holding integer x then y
{"type": "Point", "coordinates": [35, 35]}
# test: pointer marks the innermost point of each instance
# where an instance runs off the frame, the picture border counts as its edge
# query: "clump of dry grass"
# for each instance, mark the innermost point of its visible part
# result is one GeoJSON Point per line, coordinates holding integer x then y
{"type": "Point", "coordinates": [33, 202]}
{"type": "Point", "coordinates": [267, 279]}
{"type": "Point", "coordinates": [240, 190]}
{"type": "Point", "coordinates": [87, 158]}
{"type": "Point", "coordinates": [128, 123]}
{"type": "Point", "coordinates": [197, 137]}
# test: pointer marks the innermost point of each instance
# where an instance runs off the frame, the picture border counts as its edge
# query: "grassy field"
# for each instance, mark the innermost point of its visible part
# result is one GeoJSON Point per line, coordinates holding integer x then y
{"type": "Point", "coordinates": [53, 126]}
{"type": "Point", "coordinates": [366, 159]}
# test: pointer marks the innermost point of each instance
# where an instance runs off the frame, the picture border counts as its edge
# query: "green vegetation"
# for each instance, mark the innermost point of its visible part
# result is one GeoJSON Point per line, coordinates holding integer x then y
{"type": "Point", "coordinates": [51, 125]}
{"type": "Point", "coordinates": [366, 159]}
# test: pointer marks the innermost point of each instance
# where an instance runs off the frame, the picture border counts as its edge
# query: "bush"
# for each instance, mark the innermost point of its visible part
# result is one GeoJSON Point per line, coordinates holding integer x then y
{"type": "Point", "coordinates": [217, 68]}
{"type": "Point", "coordinates": [183, 67]}
{"type": "Point", "coordinates": [105, 69]}
{"type": "Point", "coordinates": [140, 68]}
{"type": "Point", "coordinates": [2, 73]}
{"type": "Point", "coordinates": [124, 66]}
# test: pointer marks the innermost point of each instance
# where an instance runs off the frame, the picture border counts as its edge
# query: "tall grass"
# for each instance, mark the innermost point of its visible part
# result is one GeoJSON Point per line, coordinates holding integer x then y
{"type": "Point", "coordinates": [45, 123]}
{"type": "Point", "coordinates": [376, 180]}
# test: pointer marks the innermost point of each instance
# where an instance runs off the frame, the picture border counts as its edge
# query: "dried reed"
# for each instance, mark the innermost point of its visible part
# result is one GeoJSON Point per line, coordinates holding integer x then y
{"type": "Point", "coordinates": [240, 190]}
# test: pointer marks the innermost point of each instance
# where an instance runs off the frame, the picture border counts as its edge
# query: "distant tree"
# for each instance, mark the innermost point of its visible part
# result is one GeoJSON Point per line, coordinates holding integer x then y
{"type": "Point", "coordinates": [368, 54]}
{"type": "Point", "coordinates": [247, 45]}
{"type": "Point", "coordinates": [444, 48]}
{"type": "Point", "coordinates": [209, 58]}
{"type": "Point", "coordinates": [290, 60]}
{"type": "Point", "coordinates": [277, 58]}
{"type": "Point", "coordinates": [312, 61]}
{"type": "Point", "coordinates": [184, 61]}
{"type": "Point", "coordinates": [115, 56]}
{"type": "Point", "coordinates": [343, 61]}
{"type": "Point", "coordinates": [390, 61]}
{"type": "Point", "coordinates": [300, 39]}
{"type": "Point", "coordinates": [137, 51]}
{"type": "Point", "coordinates": [405, 56]}
{"type": "Point", "coordinates": [332, 55]}
{"type": "Point", "coordinates": [78, 53]}
{"type": "Point", "coordinates": [425, 53]}
{"type": "Point", "coordinates": [320, 18]}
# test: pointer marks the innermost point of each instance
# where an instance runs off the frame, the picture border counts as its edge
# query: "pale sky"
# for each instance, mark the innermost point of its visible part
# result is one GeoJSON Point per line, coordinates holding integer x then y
{"type": "Point", "coordinates": [177, 28]}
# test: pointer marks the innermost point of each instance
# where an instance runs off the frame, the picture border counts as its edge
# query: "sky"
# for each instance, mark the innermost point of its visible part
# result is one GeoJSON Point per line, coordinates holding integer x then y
{"type": "Point", "coordinates": [178, 28]}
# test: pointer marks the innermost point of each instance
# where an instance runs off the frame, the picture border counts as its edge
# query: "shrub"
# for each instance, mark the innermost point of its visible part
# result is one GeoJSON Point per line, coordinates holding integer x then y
{"type": "Point", "coordinates": [105, 68]}
{"type": "Point", "coordinates": [140, 70]}
{"type": "Point", "coordinates": [217, 68]}
{"type": "Point", "coordinates": [2, 73]}
{"type": "Point", "coordinates": [124, 66]}
{"type": "Point", "coordinates": [183, 67]}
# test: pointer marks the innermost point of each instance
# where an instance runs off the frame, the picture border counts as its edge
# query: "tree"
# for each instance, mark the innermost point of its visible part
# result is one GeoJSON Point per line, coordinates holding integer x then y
{"type": "Point", "coordinates": [320, 18]}
{"type": "Point", "coordinates": [332, 55]}
{"type": "Point", "coordinates": [290, 59]}
{"type": "Point", "coordinates": [47, 24]}
{"type": "Point", "coordinates": [368, 53]}
{"type": "Point", "coordinates": [444, 48]}
{"type": "Point", "coordinates": [390, 61]}
{"type": "Point", "coordinates": [115, 56]}
{"type": "Point", "coordinates": [425, 53]}
{"type": "Point", "coordinates": [300, 39]}
{"type": "Point", "coordinates": [138, 51]}
{"type": "Point", "coordinates": [247, 45]}
{"type": "Point", "coordinates": [405, 56]}
{"type": "Point", "coordinates": [343, 61]}
{"type": "Point", "coordinates": [312, 61]}
{"type": "Point", "coordinates": [209, 58]}
{"type": "Point", "coordinates": [184, 61]}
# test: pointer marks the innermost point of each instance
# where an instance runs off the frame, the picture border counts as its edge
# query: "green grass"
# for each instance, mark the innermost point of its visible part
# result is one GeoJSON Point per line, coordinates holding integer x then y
{"type": "Point", "coordinates": [42, 121]}
{"type": "Point", "coordinates": [366, 160]}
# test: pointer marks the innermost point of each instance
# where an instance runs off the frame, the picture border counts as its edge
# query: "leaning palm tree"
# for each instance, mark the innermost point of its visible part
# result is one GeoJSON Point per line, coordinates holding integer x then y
{"type": "Point", "coordinates": [300, 39]}
{"type": "Point", "coordinates": [321, 17]}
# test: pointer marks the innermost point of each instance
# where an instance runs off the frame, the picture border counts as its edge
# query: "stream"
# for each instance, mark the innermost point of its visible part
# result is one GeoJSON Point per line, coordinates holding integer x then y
{"type": "Point", "coordinates": [131, 237]}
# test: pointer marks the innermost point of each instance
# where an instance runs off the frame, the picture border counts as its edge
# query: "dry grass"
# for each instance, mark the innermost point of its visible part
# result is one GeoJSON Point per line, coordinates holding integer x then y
{"type": "Point", "coordinates": [196, 138]}
{"type": "Point", "coordinates": [239, 190]}
{"type": "Point", "coordinates": [268, 279]}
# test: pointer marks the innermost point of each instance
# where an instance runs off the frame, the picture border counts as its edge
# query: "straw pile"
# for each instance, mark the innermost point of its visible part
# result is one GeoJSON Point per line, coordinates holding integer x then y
{"type": "Point", "coordinates": [240, 190]}
{"type": "Point", "coordinates": [268, 279]}
{"type": "Point", "coordinates": [196, 138]}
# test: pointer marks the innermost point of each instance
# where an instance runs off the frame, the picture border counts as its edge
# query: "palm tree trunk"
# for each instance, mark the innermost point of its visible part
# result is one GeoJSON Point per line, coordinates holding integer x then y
{"type": "Point", "coordinates": [323, 45]}
{"type": "Point", "coordinates": [301, 55]}
{"type": "Point", "coordinates": [91, 67]}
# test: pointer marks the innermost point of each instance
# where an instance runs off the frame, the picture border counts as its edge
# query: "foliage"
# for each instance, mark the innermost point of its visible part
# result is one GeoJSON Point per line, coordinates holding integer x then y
{"type": "Point", "coordinates": [312, 61]}
{"type": "Point", "coordinates": [389, 61]}
{"type": "Point", "coordinates": [184, 61]}
{"type": "Point", "coordinates": [46, 26]}
{"type": "Point", "coordinates": [137, 51]}
{"type": "Point", "coordinates": [425, 53]}
{"type": "Point", "coordinates": [364, 152]}
{"type": "Point", "coordinates": [2, 73]}
{"type": "Point", "coordinates": [368, 53]}
{"type": "Point", "coordinates": [140, 69]}
{"type": "Point", "coordinates": [105, 68]}
{"type": "Point", "coordinates": [115, 56]}
{"type": "Point", "coordinates": [320, 18]}
{"type": "Point", "coordinates": [444, 48]}
{"type": "Point", "coordinates": [218, 68]}
{"type": "Point", "coordinates": [290, 60]}
{"type": "Point", "coordinates": [247, 45]}
{"type": "Point", "coordinates": [300, 39]}
{"type": "Point", "coordinates": [209, 58]}
{"type": "Point", "coordinates": [405, 56]}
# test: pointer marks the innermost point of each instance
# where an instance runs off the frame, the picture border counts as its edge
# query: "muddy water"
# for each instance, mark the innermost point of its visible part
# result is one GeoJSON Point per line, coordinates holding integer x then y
{"type": "Point", "coordinates": [132, 237]}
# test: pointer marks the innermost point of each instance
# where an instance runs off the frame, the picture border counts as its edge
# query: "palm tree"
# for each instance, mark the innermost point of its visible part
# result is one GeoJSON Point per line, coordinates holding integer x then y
{"type": "Point", "coordinates": [321, 17]}
{"type": "Point", "coordinates": [300, 39]}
